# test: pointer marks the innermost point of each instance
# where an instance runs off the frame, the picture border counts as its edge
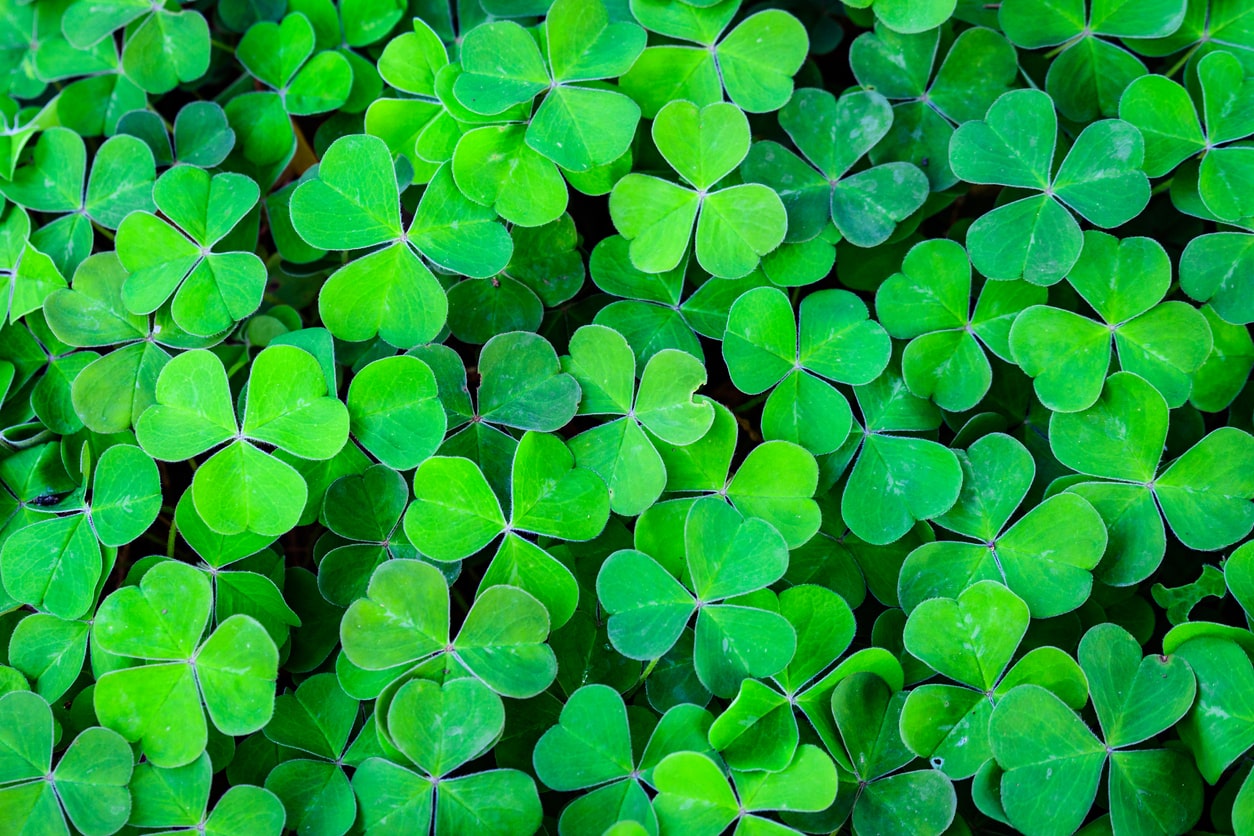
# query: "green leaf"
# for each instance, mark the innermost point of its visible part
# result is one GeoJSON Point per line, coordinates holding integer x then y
{"type": "Point", "coordinates": [353, 201]}
{"type": "Point", "coordinates": [971, 639]}
{"type": "Point", "coordinates": [394, 411]}
{"type": "Point", "coordinates": [454, 513]}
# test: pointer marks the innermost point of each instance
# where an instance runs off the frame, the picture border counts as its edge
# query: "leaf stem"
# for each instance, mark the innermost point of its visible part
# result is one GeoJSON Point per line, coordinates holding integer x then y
{"type": "Point", "coordinates": [171, 537]}
{"type": "Point", "coordinates": [1175, 68]}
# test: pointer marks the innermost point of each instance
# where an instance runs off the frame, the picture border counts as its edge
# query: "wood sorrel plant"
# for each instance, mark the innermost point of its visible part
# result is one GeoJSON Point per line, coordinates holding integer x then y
{"type": "Point", "coordinates": [626, 417]}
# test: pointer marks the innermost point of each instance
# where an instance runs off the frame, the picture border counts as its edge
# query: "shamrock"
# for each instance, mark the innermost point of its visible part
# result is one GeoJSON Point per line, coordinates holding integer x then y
{"type": "Point", "coordinates": [89, 783]}
{"type": "Point", "coordinates": [726, 558]}
{"type": "Point", "coordinates": [591, 748]}
{"type": "Point", "coordinates": [1165, 114]}
{"type": "Point", "coordinates": [765, 346]}
{"type": "Point", "coordinates": [1090, 72]}
{"type": "Point", "coordinates": [1037, 238]}
{"type": "Point", "coordinates": [354, 203]}
{"type": "Point", "coordinates": [577, 127]}
{"type": "Point", "coordinates": [211, 290]}
{"type": "Point", "coordinates": [521, 386]}
{"type": "Point", "coordinates": [1046, 557]}
{"type": "Point", "coordinates": [161, 700]}
{"type": "Point", "coordinates": [176, 799]}
{"type": "Point", "coordinates": [363, 511]}
{"type": "Point", "coordinates": [896, 479]}
{"type": "Point", "coordinates": [833, 135]}
{"type": "Point", "coordinates": [930, 303]}
{"type": "Point", "coordinates": [971, 640]}
{"type": "Point", "coordinates": [977, 68]}
{"type": "Point", "coordinates": [456, 514]}
{"type": "Point", "coordinates": [735, 226]}
{"type": "Point", "coordinates": [498, 801]}
{"type": "Point", "coordinates": [754, 62]}
{"type": "Point", "coordinates": [55, 564]}
{"type": "Point", "coordinates": [121, 181]}
{"type": "Point", "coordinates": [662, 405]}
{"type": "Point", "coordinates": [316, 720]}
{"type": "Point", "coordinates": [867, 712]}
{"type": "Point", "coordinates": [281, 56]}
{"type": "Point", "coordinates": [1124, 282]}
{"type": "Point", "coordinates": [110, 393]}
{"type": "Point", "coordinates": [162, 47]}
{"type": "Point", "coordinates": [1204, 494]}
{"type": "Point", "coordinates": [240, 488]}
{"type": "Point", "coordinates": [694, 795]}
{"type": "Point", "coordinates": [1048, 756]}
{"type": "Point", "coordinates": [1214, 268]}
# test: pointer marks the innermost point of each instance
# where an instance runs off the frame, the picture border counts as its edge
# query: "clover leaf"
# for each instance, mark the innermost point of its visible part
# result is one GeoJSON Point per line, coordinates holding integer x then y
{"type": "Point", "coordinates": [455, 514]}
{"type": "Point", "coordinates": [726, 556]}
{"type": "Point", "coordinates": [1037, 237]}
{"type": "Point", "coordinates": [735, 225]}
{"type": "Point", "coordinates": [754, 62]}
{"type": "Point", "coordinates": [930, 303]}
{"type": "Point", "coordinates": [1203, 494]}
{"type": "Point", "coordinates": [88, 785]}
{"type": "Point", "coordinates": [765, 346]}
{"type": "Point", "coordinates": [662, 405]}
{"type": "Point", "coordinates": [577, 127]}
{"type": "Point", "coordinates": [1124, 282]}
{"type": "Point", "coordinates": [867, 712]}
{"type": "Point", "coordinates": [1050, 757]}
{"type": "Point", "coordinates": [162, 47]}
{"type": "Point", "coordinates": [694, 795]}
{"type": "Point", "coordinates": [1045, 563]}
{"type": "Point", "coordinates": [591, 748]}
{"type": "Point", "coordinates": [161, 701]}
{"type": "Point", "coordinates": [971, 640]}
{"type": "Point", "coordinates": [176, 799]}
{"type": "Point", "coordinates": [833, 135]}
{"type": "Point", "coordinates": [240, 488]}
{"type": "Point", "coordinates": [403, 621]}
{"type": "Point", "coordinates": [354, 203]}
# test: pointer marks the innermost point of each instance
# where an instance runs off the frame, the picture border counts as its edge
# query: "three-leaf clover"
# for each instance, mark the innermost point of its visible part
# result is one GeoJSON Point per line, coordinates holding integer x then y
{"type": "Point", "coordinates": [1051, 762]}
{"type": "Point", "coordinates": [1090, 72]}
{"type": "Point", "coordinates": [662, 405]}
{"type": "Point", "coordinates": [353, 203]}
{"type": "Point", "coordinates": [971, 640]}
{"type": "Point", "coordinates": [735, 225]}
{"type": "Point", "coordinates": [1037, 237]}
{"type": "Point", "coordinates": [1068, 354]}
{"type": "Point", "coordinates": [439, 727]}
{"type": "Point", "coordinates": [930, 303]}
{"type": "Point", "coordinates": [1046, 557]}
{"type": "Point", "coordinates": [1204, 494]}
{"type": "Point", "coordinates": [754, 62]}
{"type": "Point", "coordinates": [833, 135]}
{"type": "Point", "coordinates": [1165, 114]}
{"type": "Point", "coordinates": [766, 346]}
{"type": "Point", "coordinates": [161, 698]}
{"type": "Point", "coordinates": [896, 479]}
{"type": "Point", "coordinates": [88, 785]}
{"type": "Point", "coordinates": [576, 126]}
{"type": "Point", "coordinates": [211, 290]}
{"type": "Point", "coordinates": [455, 514]}
{"type": "Point", "coordinates": [286, 404]}
{"type": "Point", "coordinates": [727, 558]}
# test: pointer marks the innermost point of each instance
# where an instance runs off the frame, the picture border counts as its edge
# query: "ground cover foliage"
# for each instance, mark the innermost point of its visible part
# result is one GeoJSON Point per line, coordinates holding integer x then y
{"type": "Point", "coordinates": [626, 417]}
